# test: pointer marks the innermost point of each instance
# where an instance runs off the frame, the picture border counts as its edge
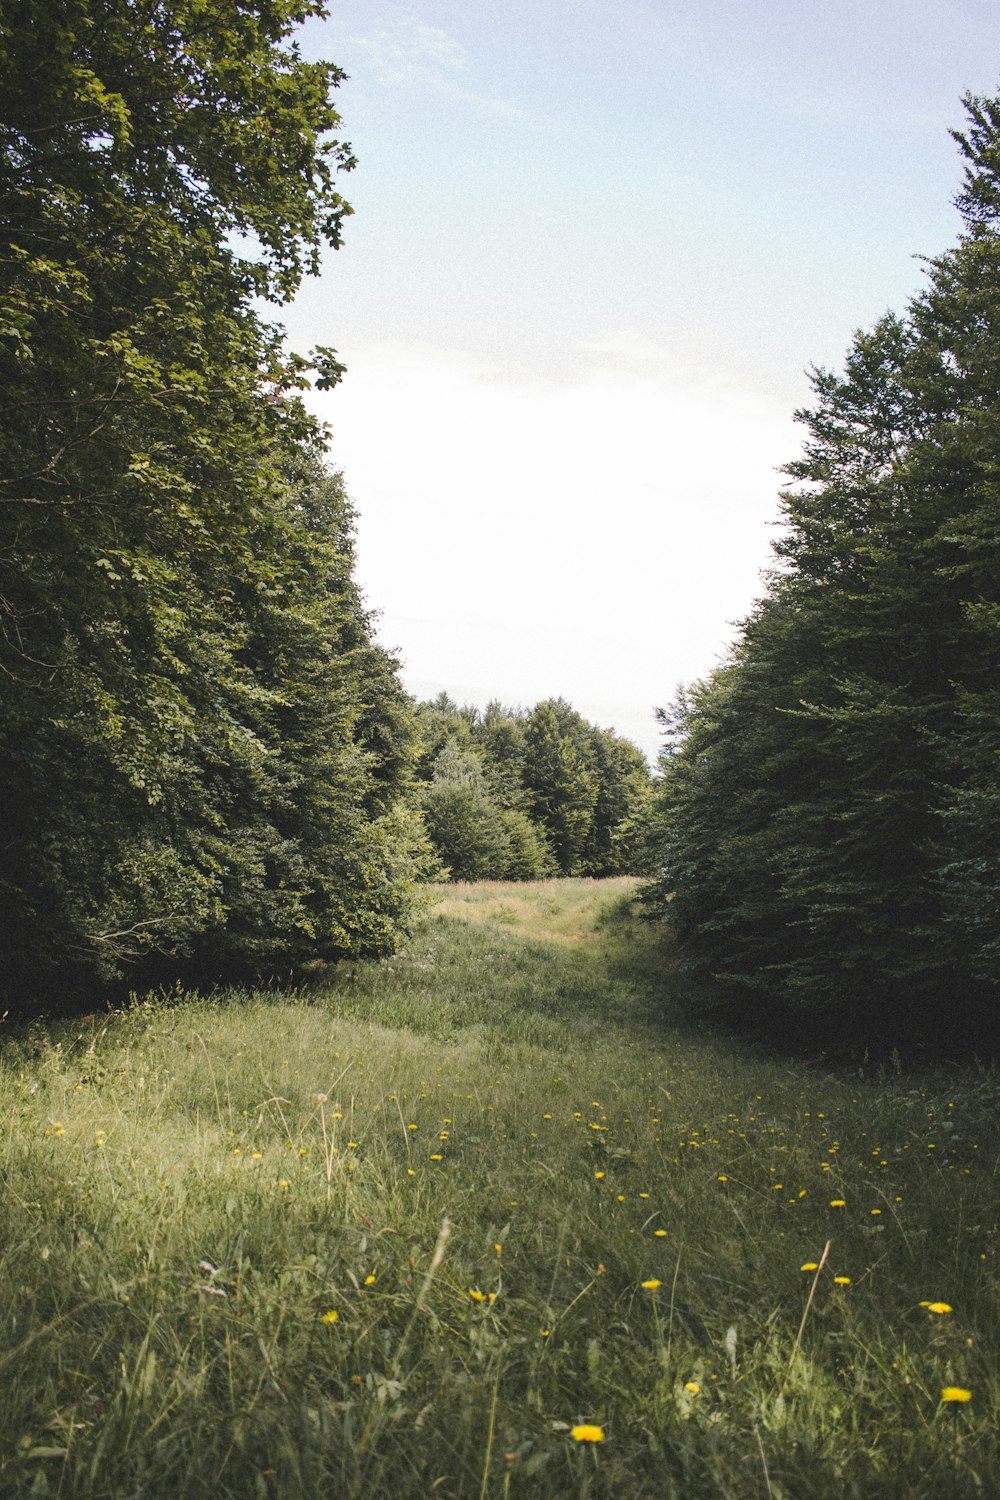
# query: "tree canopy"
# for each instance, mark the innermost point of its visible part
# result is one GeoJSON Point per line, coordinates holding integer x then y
{"type": "Point", "coordinates": [202, 748]}
{"type": "Point", "coordinates": [537, 792]}
{"type": "Point", "coordinates": [828, 819]}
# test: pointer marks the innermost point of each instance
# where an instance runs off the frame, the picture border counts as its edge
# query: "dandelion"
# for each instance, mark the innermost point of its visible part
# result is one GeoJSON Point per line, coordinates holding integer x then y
{"type": "Point", "coordinates": [370, 1280]}
{"type": "Point", "coordinates": [476, 1294]}
{"type": "Point", "coordinates": [333, 1316]}
{"type": "Point", "coordinates": [837, 1203]}
{"type": "Point", "coordinates": [599, 1175]}
{"type": "Point", "coordinates": [955, 1393]}
{"type": "Point", "coordinates": [660, 1233]}
{"type": "Point", "coordinates": [722, 1177]}
{"type": "Point", "coordinates": [842, 1280]}
{"type": "Point", "coordinates": [651, 1284]}
{"type": "Point", "coordinates": [437, 1156]}
{"type": "Point", "coordinates": [809, 1265]}
{"type": "Point", "coordinates": [586, 1433]}
{"type": "Point", "coordinates": [692, 1386]}
{"type": "Point", "coordinates": [937, 1307]}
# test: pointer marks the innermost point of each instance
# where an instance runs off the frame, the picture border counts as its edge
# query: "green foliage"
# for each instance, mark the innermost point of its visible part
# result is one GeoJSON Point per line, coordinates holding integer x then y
{"type": "Point", "coordinates": [223, 1259]}
{"type": "Point", "coordinates": [201, 747]}
{"type": "Point", "coordinates": [827, 816]}
{"type": "Point", "coordinates": [552, 793]}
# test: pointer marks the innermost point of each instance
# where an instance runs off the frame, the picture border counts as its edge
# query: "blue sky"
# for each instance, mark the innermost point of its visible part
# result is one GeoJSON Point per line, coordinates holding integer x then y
{"type": "Point", "coordinates": [595, 248]}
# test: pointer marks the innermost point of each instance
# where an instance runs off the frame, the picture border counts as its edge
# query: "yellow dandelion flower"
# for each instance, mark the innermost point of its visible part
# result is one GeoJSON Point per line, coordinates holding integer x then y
{"type": "Point", "coordinates": [837, 1203]}
{"type": "Point", "coordinates": [498, 1248]}
{"type": "Point", "coordinates": [598, 1175]}
{"type": "Point", "coordinates": [937, 1307]}
{"type": "Point", "coordinates": [651, 1284]}
{"type": "Point", "coordinates": [370, 1280]}
{"type": "Point", "coordinates": [842, 1280]}
{"type": "Point", "coordinates": [809, 1265]}
{"type": "Point", "coordinates": [587, 1433]}
{"type": "Point", "coordinates": [692, 1386]}
{"type": "Point", "coordinates": [333, 1316]}
{"type": "Point", "coordinates": [722, 1177]}
{"type": "Point", "coordinates": [437, 1156]}
{"type": "Point", "coordinates": [660, 1233]}
{"type": "Point", "coordinates": [955, 1393]}
{"type": "Point", "coordinates": [476, 1294]}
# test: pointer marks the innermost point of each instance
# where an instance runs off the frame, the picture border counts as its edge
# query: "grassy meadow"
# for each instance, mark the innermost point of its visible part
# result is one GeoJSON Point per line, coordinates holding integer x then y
{"type": "Point", "coordinates": [495, 1218]}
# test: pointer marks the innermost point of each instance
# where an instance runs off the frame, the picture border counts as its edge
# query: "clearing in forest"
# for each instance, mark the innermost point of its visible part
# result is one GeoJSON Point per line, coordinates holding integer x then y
{"type": "Point", "coordinates": [493, 1218]}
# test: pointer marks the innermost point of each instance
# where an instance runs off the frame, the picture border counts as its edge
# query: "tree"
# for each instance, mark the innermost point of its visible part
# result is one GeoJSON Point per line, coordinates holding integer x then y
{"type": "Point", "coordinates": [563, 791]}
{"type": "Point", "coordinates": [198, 736]}
{"type": "Point", "coordinates": [826, 819]}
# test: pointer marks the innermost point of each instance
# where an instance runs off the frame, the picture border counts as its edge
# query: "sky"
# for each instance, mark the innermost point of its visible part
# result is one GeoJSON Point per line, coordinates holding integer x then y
{"type": "Point", "coordinates": [596, 247]}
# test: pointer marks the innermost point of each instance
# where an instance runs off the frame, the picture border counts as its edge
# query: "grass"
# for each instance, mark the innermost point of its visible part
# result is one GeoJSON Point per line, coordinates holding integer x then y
{"type": "Point", "coordinates": [402, 1236]}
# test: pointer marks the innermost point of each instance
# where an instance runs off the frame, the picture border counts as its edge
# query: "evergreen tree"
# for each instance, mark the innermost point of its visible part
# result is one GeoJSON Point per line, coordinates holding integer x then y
{"type": "Point", "coordinates": [827, 818]}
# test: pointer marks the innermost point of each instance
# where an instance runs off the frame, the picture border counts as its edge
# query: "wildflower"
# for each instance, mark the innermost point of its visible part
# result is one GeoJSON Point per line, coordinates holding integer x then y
{"type": "Point", "coordinates": [437, 1156]}
{"type": "Point", "coordinates": [283, 1182]}
{"type": "Point", "coordinates": [722, 1177]}
{"type": "Point", "coordinates": [810, 1265]}
{"type": "Point", "coordinates": [955, 1393]}
{"type": "Point", "coordinates": [598, 1175]}
{"type": "Point", "coordinates": [370, 1280]}
{"type": "Point", "coordinates": [586, 1433]}
{"type": "Point", "coordinates": [476, 1294]}
{"type": "Point", "coordinates": [352, 1145]}
{"type": "Point", "coordinates": [651, 1284]}
{"type": "Point", "coordinates": [837, 1203]}
{"type": "Point", "coordinates": [937, 1307]}
{"type": "Point", "coordinates": [333, 1316]}
{"type": "Point", "coordinates": [660, 1233]}
{"type": "Point", "coordinates": [842, 1280]}
{"type": "Point", "coordinates": [498, 1248]}
{"type": "Point", "coordinates": [875, 1212]}
{"type": "Point", "coordinates": [692, 1386]}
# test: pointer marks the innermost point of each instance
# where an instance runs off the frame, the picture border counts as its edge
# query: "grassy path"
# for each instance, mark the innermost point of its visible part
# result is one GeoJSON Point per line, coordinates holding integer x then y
{"type": "Point", "coordinates": [436, 1228]}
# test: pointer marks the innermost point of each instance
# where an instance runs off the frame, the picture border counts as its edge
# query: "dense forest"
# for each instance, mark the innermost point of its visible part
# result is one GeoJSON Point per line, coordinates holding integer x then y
{"type": "Point", "coordinates": [204, 753]}
{"type": "Point", "coordinates": [513, 794]}
{"type": "Point", "coordinates": [827, 822]}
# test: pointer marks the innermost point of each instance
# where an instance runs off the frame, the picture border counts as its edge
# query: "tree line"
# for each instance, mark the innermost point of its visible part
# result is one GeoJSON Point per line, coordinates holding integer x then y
{"type": "Point", "coordinates": [524, 794]}
{"type": "Point", "coordinates": [207, 764]}
{"type": "Point", "coordinates": [827, 820]}
{"type": "Point", "coordinates": [204, 753]}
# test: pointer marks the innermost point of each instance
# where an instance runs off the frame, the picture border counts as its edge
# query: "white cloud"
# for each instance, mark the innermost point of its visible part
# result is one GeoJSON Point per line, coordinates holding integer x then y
{"type": "Point", "coordinates": [402, 50]}
{"type": "Point", "coordinates": [593, 537]}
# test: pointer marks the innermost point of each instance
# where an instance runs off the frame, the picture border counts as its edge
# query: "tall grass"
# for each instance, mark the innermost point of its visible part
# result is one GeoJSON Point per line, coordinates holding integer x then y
{"type": "Point", "coordinates": [406, 1235]}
